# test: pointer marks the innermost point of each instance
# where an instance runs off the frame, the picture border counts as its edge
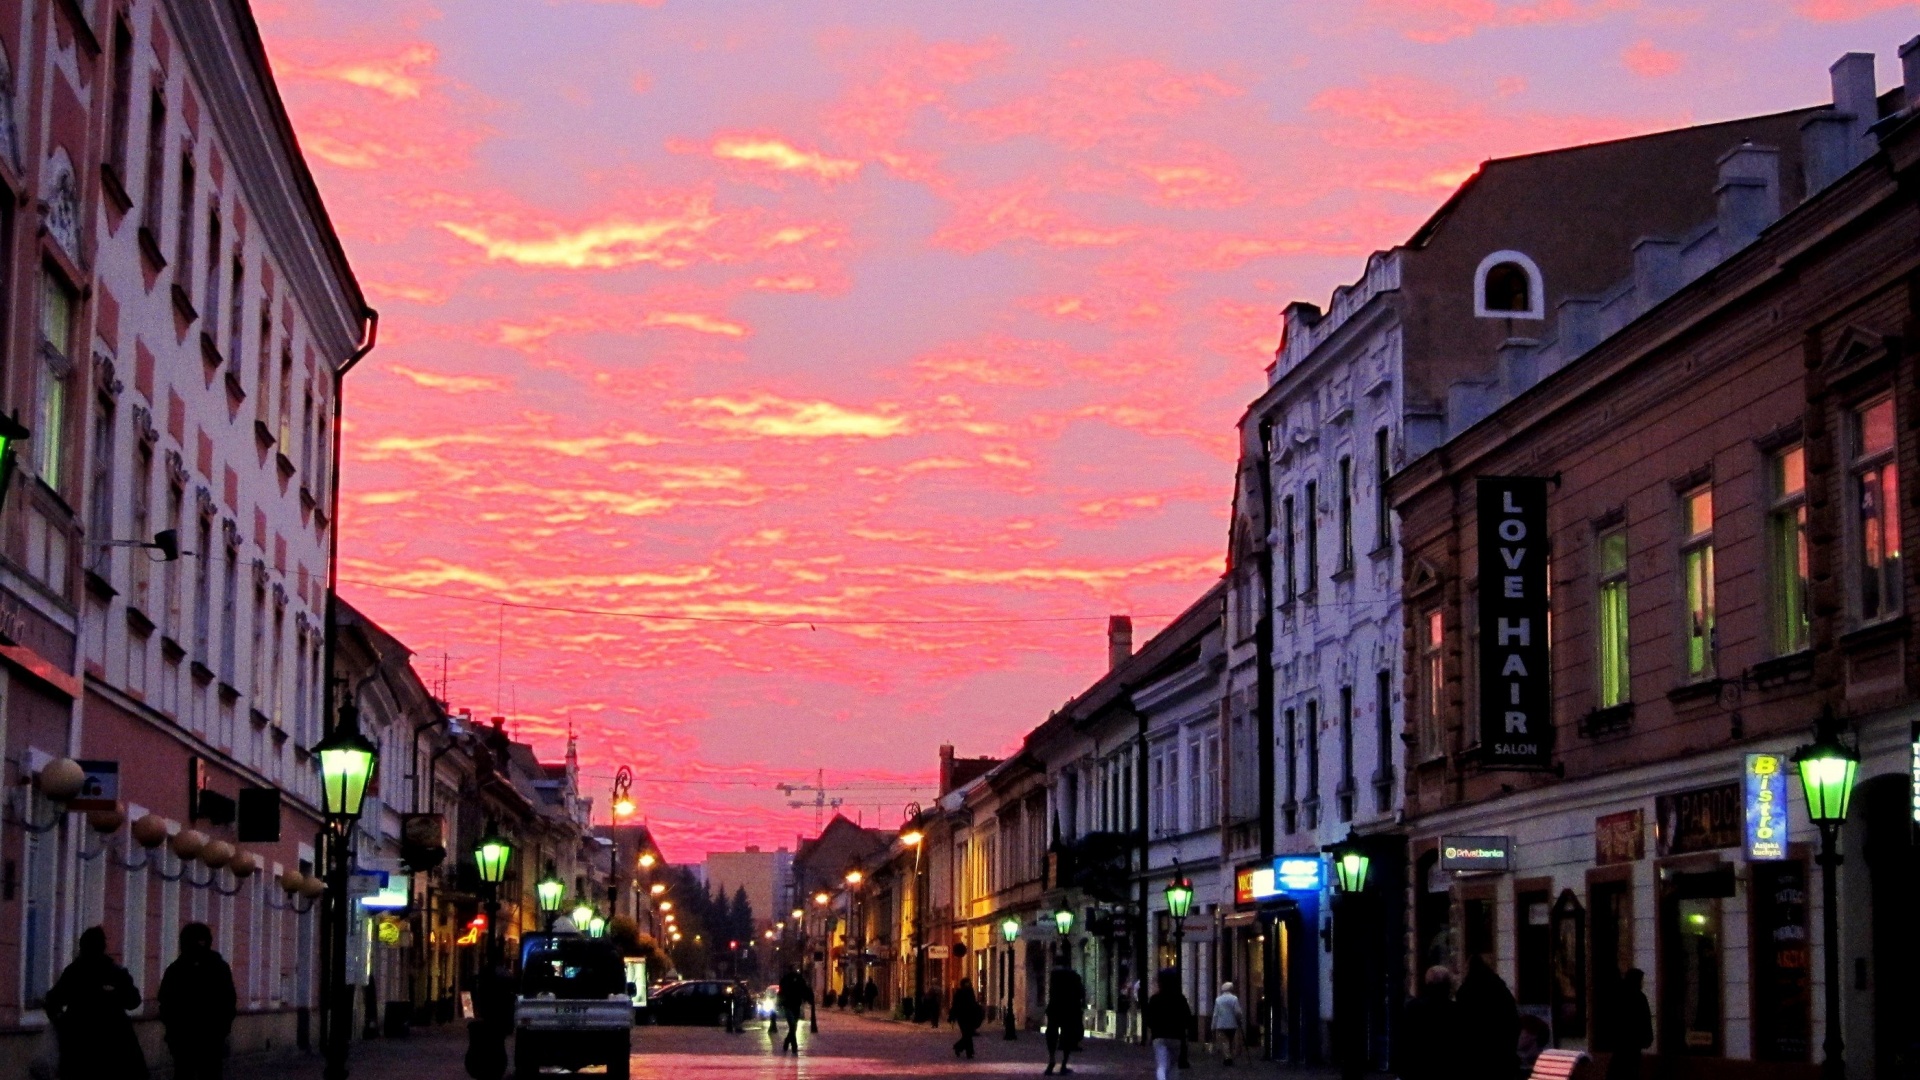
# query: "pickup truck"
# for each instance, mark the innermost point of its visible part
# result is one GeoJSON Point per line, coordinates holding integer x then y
{"type": "Point", "coordinates": [574, 1007]}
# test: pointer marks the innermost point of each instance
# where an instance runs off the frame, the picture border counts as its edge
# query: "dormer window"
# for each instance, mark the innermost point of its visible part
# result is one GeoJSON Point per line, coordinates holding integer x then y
{"type": "Point", "coordinates": [1507, 286]}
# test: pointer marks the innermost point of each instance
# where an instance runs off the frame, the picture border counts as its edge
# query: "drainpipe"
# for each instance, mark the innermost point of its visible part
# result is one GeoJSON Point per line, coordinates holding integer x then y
{"type": "Point", "coordinates": [1263, 644]}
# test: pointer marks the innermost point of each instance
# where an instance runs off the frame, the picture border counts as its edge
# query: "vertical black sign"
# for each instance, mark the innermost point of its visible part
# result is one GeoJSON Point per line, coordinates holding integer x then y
{"type": "Point", "coordinates": [1516, 700]}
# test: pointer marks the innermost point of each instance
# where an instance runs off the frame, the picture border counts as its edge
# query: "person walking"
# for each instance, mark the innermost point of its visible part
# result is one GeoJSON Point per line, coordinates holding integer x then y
{"type": "Point", "coordinates": [88, 1007]}
{"type": "Point", "coordinates": [197, 1004]}
{"type": "Point", "coordinates": [870, 994]}
{"type": "Point", "coordinates": [1167, 1019]}
{"type": "Point", "coordinates": [1226, 1022]}
{"type": "Point", "coordinates": [1633, 1026]}
{"type": "Point", "coordinates": [967, 1015]}
{"type": "Point", "coordinates": [1489, 1024]}
{"type": "Point", "coordinates": [791, 999]}
{"type": "Point", "coordinates": [1066, 1007]}
{"type": "Point", "coordinates": [1424, 1046]}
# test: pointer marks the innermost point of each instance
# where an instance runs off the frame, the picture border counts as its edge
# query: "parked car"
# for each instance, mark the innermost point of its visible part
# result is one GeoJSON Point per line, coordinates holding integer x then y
{"type": "Point", "coordinates": [574, 1008]}
{"type": "Point", "coordinates": [698, 1001]}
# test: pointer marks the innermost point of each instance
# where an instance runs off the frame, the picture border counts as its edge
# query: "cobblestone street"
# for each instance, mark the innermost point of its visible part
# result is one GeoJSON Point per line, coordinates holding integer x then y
{"type": "Point", "coordinates": [846, 1046]}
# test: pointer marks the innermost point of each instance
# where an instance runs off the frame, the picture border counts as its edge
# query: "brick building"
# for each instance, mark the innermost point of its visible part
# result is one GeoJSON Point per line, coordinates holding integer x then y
{"type": "Point", "coordinates": [1723, 429]}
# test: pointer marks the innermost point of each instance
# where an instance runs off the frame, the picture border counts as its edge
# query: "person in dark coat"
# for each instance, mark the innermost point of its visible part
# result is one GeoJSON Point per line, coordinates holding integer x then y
{"type": "Point", "coordinates": [89, 1007]}
{"type": "Point", "coordinates": [1633, 1026]}
{"type": "Point", "coordinates": [792, 998]}
{"type": "Point", "coordinates": [197, 1003]}
{"type": "Point", "coordinates": [1066, 1006]}
{"type": "Point", "coordinates": [870, 994]}
{"type": "Point", "coordinates": [1167, 1018]}
{"type": "Point", "coordinates": [967, 1015]}
{"type": "Point", "coordinates": [1424, 1046]}
{"type": "Point", "coordinates": [1489, 1025]}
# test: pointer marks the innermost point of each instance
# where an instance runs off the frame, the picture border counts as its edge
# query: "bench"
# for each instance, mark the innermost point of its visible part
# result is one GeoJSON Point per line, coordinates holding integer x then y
{"type": "Point", "coordinates": [1560, 1065]}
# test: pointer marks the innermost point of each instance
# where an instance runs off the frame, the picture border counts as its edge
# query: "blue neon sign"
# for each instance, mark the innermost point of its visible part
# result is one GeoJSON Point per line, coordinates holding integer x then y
{"type": "Point", "coordinates": [1297, 874]}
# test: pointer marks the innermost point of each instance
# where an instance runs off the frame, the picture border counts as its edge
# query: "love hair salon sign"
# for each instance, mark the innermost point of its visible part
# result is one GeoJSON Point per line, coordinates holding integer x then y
{"type": "Point", "coordinates": [1516, 699]}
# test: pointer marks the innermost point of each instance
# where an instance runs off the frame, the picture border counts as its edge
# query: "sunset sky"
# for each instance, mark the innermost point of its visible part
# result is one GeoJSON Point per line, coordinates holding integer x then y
{"type": "Point", "coordinates": [899, 343]}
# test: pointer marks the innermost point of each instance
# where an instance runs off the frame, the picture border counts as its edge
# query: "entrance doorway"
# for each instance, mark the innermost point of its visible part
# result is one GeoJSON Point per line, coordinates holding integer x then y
{"type": "Point", "coordinates": [1611, 953]}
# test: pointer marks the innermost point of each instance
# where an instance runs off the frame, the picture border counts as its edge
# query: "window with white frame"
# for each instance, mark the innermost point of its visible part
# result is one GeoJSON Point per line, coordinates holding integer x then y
{"type": "Point", "coordinates": [1787, 571]}
{"type": "Point", "coordinates": [1875, 478]}
{"type": "Point", "coordinates": [1507, 285]}
{"type": "Point", "coordinates": [1696, 562]}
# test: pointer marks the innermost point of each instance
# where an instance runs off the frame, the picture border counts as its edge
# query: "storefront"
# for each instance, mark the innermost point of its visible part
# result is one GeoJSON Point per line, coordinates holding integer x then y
{"type": "Point", "coordinates": [1270, 950]}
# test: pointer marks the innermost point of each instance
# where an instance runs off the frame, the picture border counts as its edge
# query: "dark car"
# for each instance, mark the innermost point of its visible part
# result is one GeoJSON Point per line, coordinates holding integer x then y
{"type": "Point", "coordinates": [699, 1001]}
{"type": "Point", "coordinates": [575, 1006]}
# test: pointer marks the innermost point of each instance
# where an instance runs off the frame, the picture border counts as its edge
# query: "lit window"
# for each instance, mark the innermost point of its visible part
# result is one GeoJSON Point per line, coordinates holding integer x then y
{"type": "Point", "coordinates": [1433, 683]}
{"type": "Point", "coordinates": [57, 304]}
{"type": "Point", "coordinates": [1615, 686]}
{"type": "Point", "coordinates": [1696, 556]}
{"type": "Point", "coordinates": [1787, 551]}
{"type": "Point", "coordinates": [1876, 483]}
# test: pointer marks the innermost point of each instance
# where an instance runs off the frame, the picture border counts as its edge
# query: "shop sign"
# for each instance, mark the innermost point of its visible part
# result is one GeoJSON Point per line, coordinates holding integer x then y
{"type": "Point", "coordinates": [1704, 819]}
{"type": "Point", "coordinates": [100, 790]}
{"type": "Point", "coordinates": [1766, 838]}
{"type": "Point", "coordinates": [1476, 853]}
{"type": "Point", "coordinates": [1298, 874]}
{"type": "Point", "coordinates": [1516, 707]}
{"type": "Point", "coordinates": [1913, 767]}
{"type": "Point", "coordinates": [1783, 963]}
{"type": "Point", "coordinates": [1619, 838]}
{"type": "Point", "coordinates": [937, 952]}
{"type": "Point", "coordinates": [1252, 884]}
{"type": "Point", "coordinates": [392, 896]}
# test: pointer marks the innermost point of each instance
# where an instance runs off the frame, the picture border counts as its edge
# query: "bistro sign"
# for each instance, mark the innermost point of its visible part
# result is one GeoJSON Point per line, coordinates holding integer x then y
{"type": "Point", "coordinates": [1516, 714]}
{"type": "Point", "coordinates": [1766, 779]}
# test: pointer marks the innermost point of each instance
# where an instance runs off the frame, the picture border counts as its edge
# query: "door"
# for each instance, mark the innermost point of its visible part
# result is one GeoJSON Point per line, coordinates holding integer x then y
{"type": "Point", "coordinates": [1611, 953]}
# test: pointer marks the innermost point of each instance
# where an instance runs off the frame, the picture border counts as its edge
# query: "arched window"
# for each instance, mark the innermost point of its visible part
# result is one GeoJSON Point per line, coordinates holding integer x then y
{"type": "Point", "coordinates": [1507, 286]}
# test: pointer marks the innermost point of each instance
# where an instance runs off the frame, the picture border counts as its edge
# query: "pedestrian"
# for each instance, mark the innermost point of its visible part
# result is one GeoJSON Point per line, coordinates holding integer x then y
{"type": "Point", "coordinates": [1226, 1022]}
{"type": "Point", "coordinates": [1066, 1007]}
{"type": "Point", "coordinates": [967, 1015]}
{"type": "Point", "coordinates": [1489, 1023]}
{"type": "Point", "coordinates": [791, 998]}
{"type": "Point", "coordinates": [1632, 1026]}
{"type": "Point", "coordinates": [1167, 1019]}
{"type": "Point", "coordinates": [870, 994]}
{"type": "Point", "coordinates": [1129, 993]}
{"type": "Point", "coordinates": [88, 1007]}
{"type": "Point", "coordinates": [1424, 1046]}
{"type": "Point", "coordinates": [933, 1007]}
{"type": "Point", "coordinates": [196, 1006]}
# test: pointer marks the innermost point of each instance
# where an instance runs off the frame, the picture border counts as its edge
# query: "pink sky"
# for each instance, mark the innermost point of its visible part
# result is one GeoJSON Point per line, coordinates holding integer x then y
{"type": "Point", "coordinates": [828, 314]}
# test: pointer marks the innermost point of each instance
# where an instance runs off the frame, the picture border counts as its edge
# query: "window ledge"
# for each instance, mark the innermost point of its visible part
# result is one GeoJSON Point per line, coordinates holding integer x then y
{"type": "Point", "coordinates": [1344, 574]}
{"type": "Point", "coordinates": [306, 498]}
{"type": "Point", "coordinates": [1698, 690]}
{"type": "Point", "coordinates": [202, 674]}
{"type": "Point", "coordinates": [285, 464]}
{"type": "Point", "coordinates": [1780, 670]}
{"type": "Point", "coordinates": [138, 622]}
{"type": "Point", "coordinates": [235, 392]}
{"type": "Point", "coordinates": [98, 585]}
{"type": "Point", "coordinates": [263, 435]}
{"type": "Point", "coordinates": [258, 718]}
{"type": "Point", "coordinates": [210, 352]}
{"type": "Point", "coordinates": [183, 304]}
{"type": "Point", "coordinates": [1381, 552]}
{"type": "Point", "coordinates": [1612, 720]}
{"type": "Point", "coordinates": [116, 190]}
{"type": "Point", "coordinates": [229, 693]}
{"type": "Point", "coordinates": [150, 251]}
{"type": "Point", "coordinates": [1873, 633]}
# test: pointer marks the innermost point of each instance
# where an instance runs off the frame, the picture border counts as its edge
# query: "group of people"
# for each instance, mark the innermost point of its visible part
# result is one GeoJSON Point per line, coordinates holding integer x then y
{"type": "Point", "coordinates": [1478, 1032]}
{"type": "Point", "coordinates": [90, 1005]}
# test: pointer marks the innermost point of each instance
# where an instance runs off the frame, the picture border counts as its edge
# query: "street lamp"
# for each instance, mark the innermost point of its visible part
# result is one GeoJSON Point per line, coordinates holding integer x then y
{"type": "Point", "coordinates": [1179, 894]}
{"type": "Point", "coordinates": [597, 926]}
{"type": "Point", "coordinates": [346, 767]}
{"type": "Point", "coordinates": [1010, 933]}
{"type": "Point", "coordinates": [1350, 867]}
{"type": "Point", "coordinates": [647, 859]}
{"type": "Point", "coordinates": [657, 889]}
{"type": "Point", "coordinates": [1827, 769]}
{"type": "Point", "coordinates": [622, 794]}
{"type": "Point", "coordinates": [1063, 921]}
{"type": "Point", "coordinates": [550, 891]}
{"type": "Point", "coordinates": [582, 914]}
{"type": "Point", "coordinates": [490, 857]}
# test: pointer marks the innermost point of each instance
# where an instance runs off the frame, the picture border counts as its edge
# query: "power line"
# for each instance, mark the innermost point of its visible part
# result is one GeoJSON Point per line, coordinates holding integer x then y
{"type": "Point", "coordinates": [672, 617]}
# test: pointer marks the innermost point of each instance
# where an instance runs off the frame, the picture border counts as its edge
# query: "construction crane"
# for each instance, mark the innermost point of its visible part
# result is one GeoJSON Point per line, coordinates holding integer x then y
{"type": "Point", "coordinates": [819, 802]}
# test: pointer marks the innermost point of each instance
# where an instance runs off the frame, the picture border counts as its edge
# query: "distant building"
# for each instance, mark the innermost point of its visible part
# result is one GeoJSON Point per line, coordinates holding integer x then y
{"type": "Point", "coordinates": [766, 876]}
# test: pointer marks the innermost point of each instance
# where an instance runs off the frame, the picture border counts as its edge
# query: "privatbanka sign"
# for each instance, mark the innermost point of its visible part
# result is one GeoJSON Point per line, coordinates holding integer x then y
{"type": "Point", "coordinates": [1516, 699]}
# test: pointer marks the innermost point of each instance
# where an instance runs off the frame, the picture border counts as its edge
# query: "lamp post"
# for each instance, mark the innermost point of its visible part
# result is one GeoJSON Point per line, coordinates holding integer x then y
{"type": "Point", "coordinates": [1179, 902]}
{"type": "Point", "coordinates": [1010, 932]}
{"type": "Point", "coordinates": [346, 766]}
{"type": "Point", "coordinates": [820, 900]}
{"type": "Point", "coordinates": [551, 892]}
{"type": "Point", "coordinates": [1827, 769]}
{"type": "Point", "coordinates": [490, 857]}
{"type": "Point", "coordinates": [1351, 865]}
{"type": "Point", "coordinates": [857, 939]}
{"type": "Point", "coordinates": [916, 840]}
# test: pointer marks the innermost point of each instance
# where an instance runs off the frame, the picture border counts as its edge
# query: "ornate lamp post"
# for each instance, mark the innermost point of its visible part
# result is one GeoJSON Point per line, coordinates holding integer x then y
{"type": "Point", "coordinates": [916, 840]}
{"type": "Point", "coordinates": [856, 937]}
{"type": "Point", "coordinates": [1351, 865]}
{"type": "Point", "coordinates": [1010, 933]}
{"type": "Point", "coordinates": [1179, 895]}
{"type": "Point", "coordinates": [346, 766]}
{"type": "Point", "coordinates": [1827, 770]}
{"type": "Point", "coordinates": [597, 926]}
{"type": "Point", "coordinates": [490, 857]}
{"type": "Point", "coordinates": [551, 892]}
{"type": "Point", "coordinates": [582, 914]}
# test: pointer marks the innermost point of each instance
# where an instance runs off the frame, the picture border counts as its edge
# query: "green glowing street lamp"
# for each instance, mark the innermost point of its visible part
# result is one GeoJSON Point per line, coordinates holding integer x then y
{"type": "Point", "coordinates": [1827, 769]}
{"type": "Point", "coordinates": [596, 927]}
{"type": "Point", "coordinates": [1179, 897]}
{"type": "Point", "coordinates": [550, 891]}
{"type": "Point", "coordinates": [1350, 868]}
{"type": "Point", "coordinates": [346, 767]}
{"type": "Point", "coordinates": [490, 856]}
{"type": "Point", "coordinates": [1010, 929]}
{"type": "Point", "coordinates": [1063, 921]}
{"type": "Point", "coordinates": [582, 915]}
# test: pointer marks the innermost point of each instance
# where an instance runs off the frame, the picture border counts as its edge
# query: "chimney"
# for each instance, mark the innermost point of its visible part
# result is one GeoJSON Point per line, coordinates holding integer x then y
{"type": "Point", "coordinates": [1854, 93]}
{"type": "Point", "coordinates": [1119, 640]}
{"type": "Point", "coordinates": [1749, 192]}
{"type": "Point", "coordinates": [946, 768]}
{"type": "Point", "coordinates": [1910, 71]}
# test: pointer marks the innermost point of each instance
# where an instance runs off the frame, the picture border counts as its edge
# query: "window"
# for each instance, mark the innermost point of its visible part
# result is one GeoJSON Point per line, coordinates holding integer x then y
{"type": "Point", "coordinates": [1696, 557]}
{"type": "Point", "coordinates": [1311, 536]}
{"type": "Point", "coordinates": [141, 578]}
{"type": "Point", "coordinates": [1210, 806]}
{"type": "Point", "coordinates": [1291, 735]}
{"type": "Point", "coordinates": [263, 379]}
{"type": "Point", "coordinates": [1433, 683]}
{"type": "Point", "coordinates": [285, 433]}
{"type": "Point", "coordinates": [1346, 784]}
{"type": "Point", "coordinates": [1615, 676]}
{"type": "Point", "coordinates": [1288, 580]}
{"type": "Point", "coordinates": [1507, 286]}
{"type": "Point", "coordinates": [1157, 776]}
{"type": "Point", "coordinates": [183, 256]}
{"type": "Point", "coordinates": [258, 661]}
{"type": "Point", "coordinates": [1383, 736]}
{"type": "Point", "coordinates": [229, 604]}
{"type": "Point", "coordinates": [279, 665]}
{"type": "Point", "coordinates": [57, 303]}
{"type": "Point", "coordinates": [176, 519]}
{"type": "Point", "coordinates": [1787, 550]}
{"type": "Point", "coordinates": [1312, 801]}
{"type": "Point", "coordinates": [203, 593]}
{"type": "Point", "coordinates": [236, 309]}
{"type": "Point", "coordinates": [1876, 486]}
{"type": "Point", "coordinates": [1346, 514]}
{"type": "Point", "coordinates": [306, 434]}
{"type": "Point", "coordinates": [210, 295]}
{"type": "Point", "coordinates": [156, 164]}
{"type": "Point", "coordinates": [121, 108]}
{"type": "Point", "coordinates": [1382, 472]}
{"type": "Point", "coordinates": [100, 490]}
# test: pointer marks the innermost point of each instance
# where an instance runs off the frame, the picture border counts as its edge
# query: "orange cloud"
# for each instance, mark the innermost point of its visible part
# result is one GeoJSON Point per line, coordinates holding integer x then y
{"type": "Point", "coordinates": [767, 416]}
{"type": "Point", "coordinates": [451, 384]}
{"type": "Point", "coordinates": [1649, 61]}
{"type": "Point", "coordinates": [689, 320]}
{"type": "Point", "coordinates": [1845, 10]}
{"type": "Point", "coordinates": [1435, 21]}
{"type": "Point", "coordinates": [782, 156]}
{"type": "Point", "coordinates": [392, 76]}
